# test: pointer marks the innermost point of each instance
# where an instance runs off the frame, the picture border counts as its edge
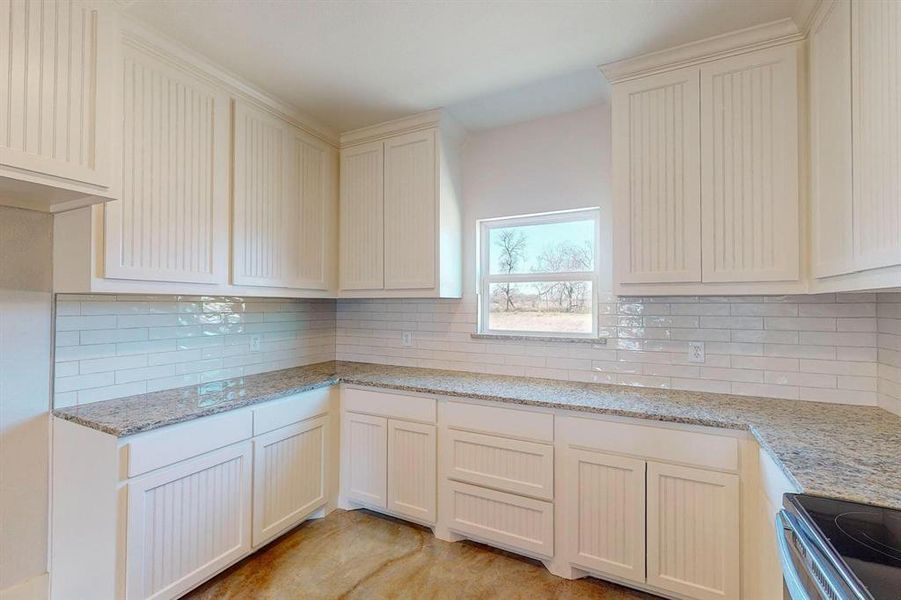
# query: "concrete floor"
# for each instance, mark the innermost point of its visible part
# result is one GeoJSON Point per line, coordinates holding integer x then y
{"type": "Point", "coordinates": [359, 554]}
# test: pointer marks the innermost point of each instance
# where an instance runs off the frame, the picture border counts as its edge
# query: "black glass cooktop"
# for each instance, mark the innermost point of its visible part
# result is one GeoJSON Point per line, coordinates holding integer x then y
{"type": "Point", "coordinates": [867, 538]}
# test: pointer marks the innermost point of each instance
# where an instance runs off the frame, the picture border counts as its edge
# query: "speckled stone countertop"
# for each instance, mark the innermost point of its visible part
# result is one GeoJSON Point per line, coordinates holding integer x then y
{"type": "Point", "coordinates": [838, 450]}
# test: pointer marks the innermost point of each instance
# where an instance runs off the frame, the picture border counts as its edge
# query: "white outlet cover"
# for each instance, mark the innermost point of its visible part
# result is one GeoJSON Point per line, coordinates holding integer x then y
{"type": "Point", "coordinates": [255, 341]}
{"type": "Point", "coordinates": [406, 339]}
{"type": "Point", "coordinates": [696, 352]}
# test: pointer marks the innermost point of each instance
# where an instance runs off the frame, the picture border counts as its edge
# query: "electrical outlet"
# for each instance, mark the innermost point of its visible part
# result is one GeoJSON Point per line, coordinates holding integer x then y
{"type": "Point", "coordinates": [696, 352]}
{"type": "Point", "coordinates": [406, 339]}
{"type": "Point", "coordinates": [255, 342]}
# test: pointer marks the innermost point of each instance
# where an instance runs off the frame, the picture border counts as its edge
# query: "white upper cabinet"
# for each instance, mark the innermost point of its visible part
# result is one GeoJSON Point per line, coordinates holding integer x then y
{"type": "Point", "coordinates": [400, 217]}
{"type": "Point", "coordinates": [171, 223]}
{"type": "Point", "coordinates": [830, 141]}
{"type": "Point", "coordinates": [705, 167]}
{"type": "Point", "coordinates": [282, 203]}
{"type": "Point", "coordinates": [876, 122]}
{"type": "Point", "coordinates": [411, 186]}
{"type": "Point", "coordinates": [221, 189]}
{"type": "Point", "coordinates": [855, 81]}
{"type": "Point", "coordinates": [362, 263]}
{"type": "Point", "coordinates": [749, 153]}
{"type": "Point", "coordinates": [657, 178]}
{"type": "Point", "coordinates": [54, 103]}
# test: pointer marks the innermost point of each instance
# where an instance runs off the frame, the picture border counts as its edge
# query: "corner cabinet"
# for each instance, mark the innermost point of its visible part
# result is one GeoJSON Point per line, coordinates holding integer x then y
{"type": "Point", "coordinates": [706, 177]}
{"type": "Point", "coordinates": [855, 70]}
{"type": "Point", "coordinates": [56, 65]}
{"type": "Point", "coordinates": [400, 214]}
{"type": "Point", "coordinates": [220, 191]}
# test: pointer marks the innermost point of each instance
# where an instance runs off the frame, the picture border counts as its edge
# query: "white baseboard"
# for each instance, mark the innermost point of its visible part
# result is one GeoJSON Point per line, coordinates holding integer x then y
{"type": "Point", "coordinates": [35, 588]}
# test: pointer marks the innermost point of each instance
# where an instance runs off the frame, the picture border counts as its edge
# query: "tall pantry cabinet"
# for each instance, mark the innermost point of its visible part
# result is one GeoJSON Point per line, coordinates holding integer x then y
{"type": "Point", "coordinates": [706, 166]}
{"type": "Point", "coordinates": [855, 82]}
{"type": "Point", "coordinates": [399, 209]}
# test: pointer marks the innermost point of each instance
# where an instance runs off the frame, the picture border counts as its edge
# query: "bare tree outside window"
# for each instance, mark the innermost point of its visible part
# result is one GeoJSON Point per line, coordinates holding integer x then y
{"type": "Point", "coordinates": [539, 274]}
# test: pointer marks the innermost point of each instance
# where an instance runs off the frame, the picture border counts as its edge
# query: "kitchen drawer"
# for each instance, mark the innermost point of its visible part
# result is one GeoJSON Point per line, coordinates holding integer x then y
{"type": "Point", "coordinates": [386, 404]}
{"type": "Point", "coordinates": [504, 464]}
{"type": "Point", "coordinates": [670, 445]}
{"type": "Point", "coordinates": [500, 421]}
{"type": "Point", "coordinates": [286, 411]}
{"type": "Point", "coordinates": [169, 445]}
{"type": "Point", "coordinates": [512, 522]}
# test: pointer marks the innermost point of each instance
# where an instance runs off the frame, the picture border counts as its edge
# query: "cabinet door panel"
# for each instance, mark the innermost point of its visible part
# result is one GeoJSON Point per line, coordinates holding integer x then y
{"type": "Point", "coordinates": [308, 181]}
{"type": "Point", "coordinates": [606, 513]}
{"type": "Point", "coordinates": [55, 87]}
{"type": "Point", "coordinates": [656, 171]}
{"type": "Point", "coordinates": [749, 149]}
{"type": "Point", "coordinates": [362, 208]}
{"type": "Point", "coordinates": [171, 223]}
{"type": "Point", "coordinates": [830, 139]}
{"type": "Point", "coordinates": [262, 206]}
{"type": "Point", "coordinates": [877, 129]}
{"type": "Point", "coordinates": [411, 470]}
{"type": "Point", "coordinates": [411, 211]}
{"type": "Point", "coordinates": [187, 522]}
{"type": "Point", "coordinates": [693, 531]}
{"type": "Point", "coordinates": [289, 477]}
{"type": "Point", "coordinates": [365, 459]}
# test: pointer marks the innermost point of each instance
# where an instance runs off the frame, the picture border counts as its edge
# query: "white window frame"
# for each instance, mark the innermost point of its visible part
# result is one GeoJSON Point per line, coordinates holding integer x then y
{"type": "Point", "coordinates": [485, 279]}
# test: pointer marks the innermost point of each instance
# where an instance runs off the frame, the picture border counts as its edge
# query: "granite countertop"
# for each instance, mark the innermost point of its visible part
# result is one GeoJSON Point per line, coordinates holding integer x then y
{"type": "Point", "coordinates": [843, 451]}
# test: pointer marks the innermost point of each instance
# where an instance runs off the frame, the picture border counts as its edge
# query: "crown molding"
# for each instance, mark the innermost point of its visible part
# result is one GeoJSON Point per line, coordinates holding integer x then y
{"type": "Point", "coordinates": [806, 12]}
{"type": "Point", "coordinates": [776, 33]}
{"type": "Point", "coordinates": [140, 35]}
{"type": "Point", "coordinates": [372, 133]}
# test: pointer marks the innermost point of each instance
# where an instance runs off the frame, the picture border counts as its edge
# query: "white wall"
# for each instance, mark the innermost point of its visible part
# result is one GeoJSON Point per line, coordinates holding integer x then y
{"type": "Point", "coordinates": [554, 163]}
{"type": "Point", "coordinates": [25, 301]}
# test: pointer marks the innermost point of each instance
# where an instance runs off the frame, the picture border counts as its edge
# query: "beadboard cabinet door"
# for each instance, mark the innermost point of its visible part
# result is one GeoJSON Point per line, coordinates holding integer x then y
{"type": "Point", "coordinates": [171, 223]}
{"type": "Point", "coordinates": [876, 84]}
{"type": "Point", "coordinates": [411, 211]}
{"type": "Point", "coordinates": [605, 513]}
{"type": "Point", "coordinates": [188, 521]}
{"type": "Point", "coordinates": [365, 459]}
{"type": "Point", "coordinates": [362, 210]}
{"type": "Point", "coordinates": [412, 470]}
{"type": "Point", "coordinates": [289, 477]}
{"type": "Point", "coordinates": [281, 203]}
{"type": "Point", "coordinates": [54, 102]}
{"type": "Point", "coordinates": [831, 191]}
{"type": "Point", "coordinates": [693, 531]}
{"type": "Point", "coordinates": [749, 149]}
{"type": "Point", "coordinates": [656, 179]}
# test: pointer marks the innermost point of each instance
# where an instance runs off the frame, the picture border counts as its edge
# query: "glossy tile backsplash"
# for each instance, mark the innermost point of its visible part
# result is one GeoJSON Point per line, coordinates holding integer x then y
{"type": "Point", "coordinates": [814, 347]}
{"type": "Point", "coordinates": [889, 349]}
{"type": "Point", "coordinates": [115, 346]}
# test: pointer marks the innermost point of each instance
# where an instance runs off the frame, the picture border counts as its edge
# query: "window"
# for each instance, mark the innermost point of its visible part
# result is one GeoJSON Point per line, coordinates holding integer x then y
{"type": "Point", "coordinates": [538, 274]}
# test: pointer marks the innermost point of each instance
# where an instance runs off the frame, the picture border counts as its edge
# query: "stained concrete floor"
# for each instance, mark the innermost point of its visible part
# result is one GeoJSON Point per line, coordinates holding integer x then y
{"type": "Point", "coordinates": [359, 554]}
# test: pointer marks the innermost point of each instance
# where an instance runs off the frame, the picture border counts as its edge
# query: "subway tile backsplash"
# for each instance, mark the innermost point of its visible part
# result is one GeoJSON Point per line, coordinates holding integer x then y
{"type": "Point", "coordinates": [115, 346]}
{"type": "Point", "coordinates": [829, 347]}
{"type": "Point", "coordinates": [826, 347]}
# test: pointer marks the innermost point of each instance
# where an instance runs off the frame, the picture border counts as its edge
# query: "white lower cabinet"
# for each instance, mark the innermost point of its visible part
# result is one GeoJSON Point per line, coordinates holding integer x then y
{"type": "Point", "coordinates": [188, 521]}
{"type": "Point", "coordinates": [605, 509]}
{"type": "Point", "coordinates": [365, 461]}
{"type": "Point", "coordinates": [693, 531]}
{"type": "Point", "coordinates": [411, 470]}
{"type": "Point", "coordinates": [289, 476]}
{"type": "Point", "coordinates": [389, 457]}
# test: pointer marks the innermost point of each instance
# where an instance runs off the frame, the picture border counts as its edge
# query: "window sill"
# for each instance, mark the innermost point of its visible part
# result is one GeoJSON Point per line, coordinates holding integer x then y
{"type": "Point", "coordinates": [538, 338]}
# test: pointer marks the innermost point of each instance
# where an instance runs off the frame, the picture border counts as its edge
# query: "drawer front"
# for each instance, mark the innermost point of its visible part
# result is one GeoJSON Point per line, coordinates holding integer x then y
{"type": "Point", "coordinates": [508, 465]}
{"type": "Point", "coordinates": [286, 411]}
{"type": "Point", "coordinates": [500, 421]}
{"type": "Point", "coordinates": [512, 522]}
{"type": "Point", "coordinates": [169, 445]}
{"type": "Point", "coordinates": [670, 445]}
{"type": "Point", "coordinates": [386, 404]}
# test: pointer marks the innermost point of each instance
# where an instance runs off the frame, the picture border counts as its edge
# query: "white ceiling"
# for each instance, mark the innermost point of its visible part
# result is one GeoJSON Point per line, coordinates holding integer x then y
{"type": "Point", "coordinates": [351, 63]}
